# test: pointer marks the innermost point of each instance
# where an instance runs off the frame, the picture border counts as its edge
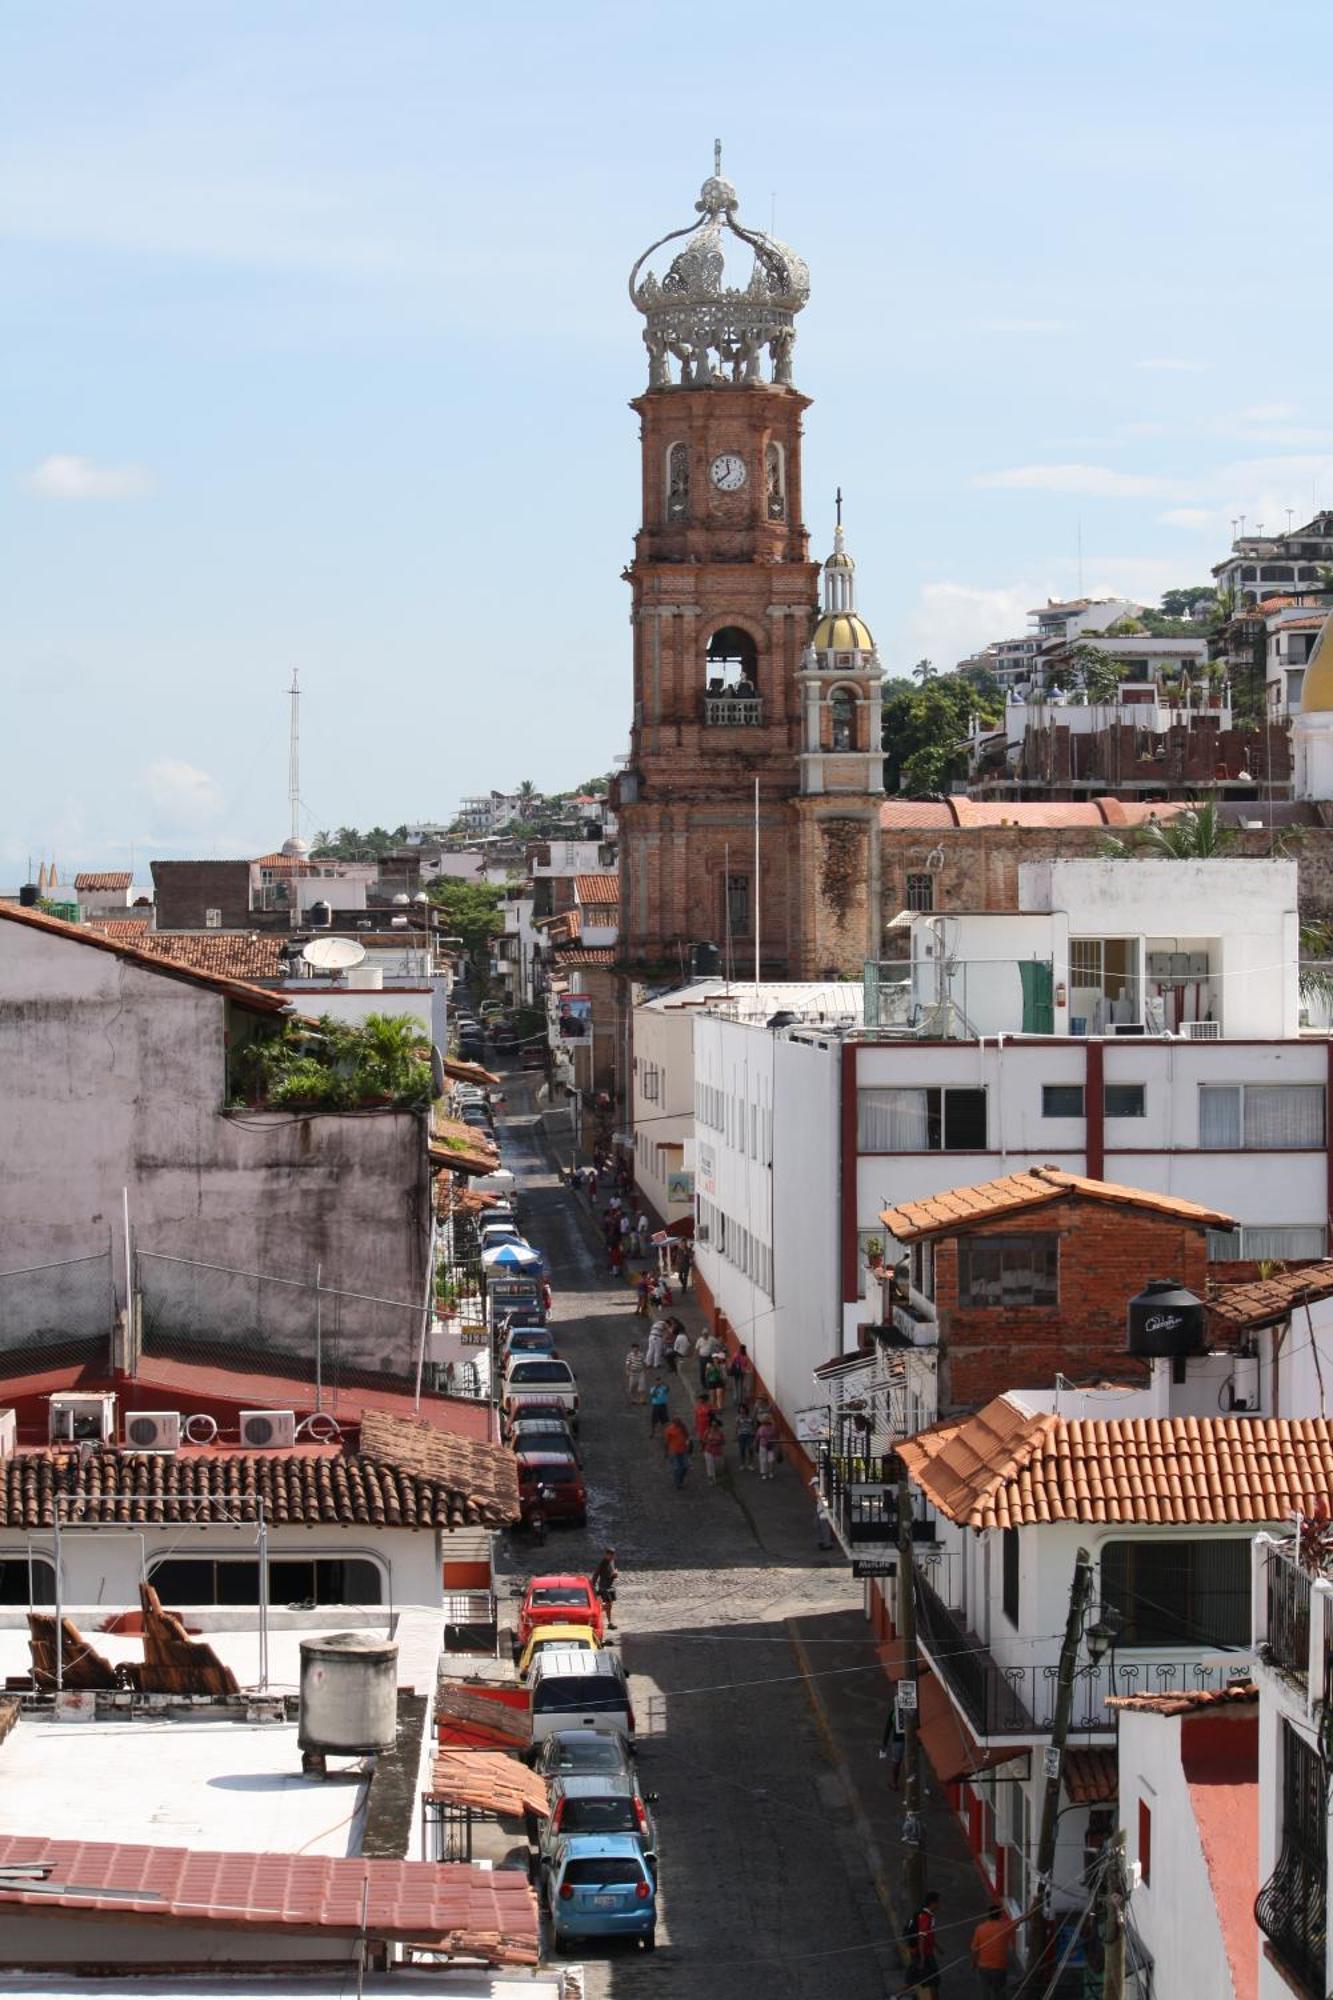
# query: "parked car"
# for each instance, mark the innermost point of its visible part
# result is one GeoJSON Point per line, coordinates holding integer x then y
{"type": "Point", "coordinates": [478, 1116]}
{"type": "Point", "coordinates": [575, 1638]}
{"type": "Point", "coordinates": [600, 1886]}
{"type": "Point", "coordinates": [540, 1378]}
{"type": "Point", "coordinates": [551, 1488]}
{"type": "Point", "coordinates": [542, 1427]}
{"type": "Point", "coordinates": [582, 1753]}
{"type": "Point", "coordinates": [492, 1234]}
{"type": "Point", "coordinates": [560, 1599]}
{"type": "Point", "coordinates": [595, 1802]}
{"type": "Point", "coordinates": [528, 1340]}
{"type": "Point", "coordinates": [578, 1690]}
{"type": "Point", "coordinates": [533, 1056]}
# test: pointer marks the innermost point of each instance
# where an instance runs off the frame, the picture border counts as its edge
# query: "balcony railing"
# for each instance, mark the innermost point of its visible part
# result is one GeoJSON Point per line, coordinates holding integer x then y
{"type": "Point", "coordinates": [860, 1492]}
{"type": "Point", "coordinates": [1291, 1911]}
{"type": "Point", "coordinates": [733, 711]}
{"type": "Point", "coordinates": [1288, 1615]}
{"type": "Point", "coordinates": [1020, 1701]}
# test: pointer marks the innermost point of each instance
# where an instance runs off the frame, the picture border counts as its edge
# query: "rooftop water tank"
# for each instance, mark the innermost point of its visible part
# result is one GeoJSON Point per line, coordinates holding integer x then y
{"type": "Point", "coordinates": [1165, 1320]}
{"type": "Point", "coordinates": [28, 896]}
{"type": "Point", "coordinates": [349, 1694]}
{"type": "Point", "coordinates": [707, 961]}
{"type": "Point", "coordinates": [320, 914]}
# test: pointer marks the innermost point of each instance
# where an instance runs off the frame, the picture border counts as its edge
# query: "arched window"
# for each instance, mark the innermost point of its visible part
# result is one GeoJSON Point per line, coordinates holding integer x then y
{"type": "Point", "coordinates": [678, 482]}
{"type": "Point", "coordinates": [775, 478]}
{"type": "Point", "coordinates": [842, 709]}
{"type": "Point", "coordinates": [731, 677]}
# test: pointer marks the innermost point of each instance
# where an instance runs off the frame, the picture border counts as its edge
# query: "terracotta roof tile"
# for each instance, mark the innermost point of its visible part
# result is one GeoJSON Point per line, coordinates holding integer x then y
{"type": "Point", "coordinates": [489, 1780]}
{"type": "Point", "coordinates": [127, 929]}
{"type": "Point", "coordinates": [491, 1914]}
{"type": "Point", "coordinates": [230, 954]}
{"type": "Point", "coordinates": [257, 998]}
{"type": "Point", "coordinates": [466, 1072]}
{"type": "Point", "coordinates": [485, 1473]}
{"type": "Point", "coordinates": [600, 890]}
{"type": "Point", "coordinates": [1186, 1700]}
{"type": "Point", "coordinates": [1091, 1777]}
{"type": "Point", "coordinates": [456, 1144]}
{"type": "Point", "coordinates": [595, 954]}
{"type": "Point", "coordinates": [1241, 1307]}
{"type": "Point", "coordinates": [987, 1201]}
{"type": "Point", "coordinates": [1008, 1466]}
{"type": "Point", "coordinates": [106, 878]}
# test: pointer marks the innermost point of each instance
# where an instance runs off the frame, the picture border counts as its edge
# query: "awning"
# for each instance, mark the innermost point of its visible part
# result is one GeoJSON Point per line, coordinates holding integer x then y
{"type": "Point", "coordinates": [490, 1781]}
{"type": "Point", "coordinates": [953, 1751]}
{"type": "Point", "coordinates": [456, 1145]}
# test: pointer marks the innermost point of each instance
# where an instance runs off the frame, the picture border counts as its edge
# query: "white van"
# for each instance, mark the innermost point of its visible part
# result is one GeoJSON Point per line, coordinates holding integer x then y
{"type": "Point", "coordinates": [539, 1378]}
{"type": "Point", "coordinates": [575, 1689]}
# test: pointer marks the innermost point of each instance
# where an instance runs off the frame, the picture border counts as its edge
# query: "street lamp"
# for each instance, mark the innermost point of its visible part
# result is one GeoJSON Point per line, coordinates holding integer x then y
{"type": "Point", "coordinates": [1101, 1637]}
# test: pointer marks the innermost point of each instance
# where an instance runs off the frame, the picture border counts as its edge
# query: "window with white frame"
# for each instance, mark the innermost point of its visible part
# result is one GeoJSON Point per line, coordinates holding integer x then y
{"type": "Point", "coordinates": [921, 1121]}
{"type": "Point", "coordinates": [291, 1580]}
{"type": "Point", "coordinates": [213, 920]}
{"type": "Point", "coordinates": [1264, 1117]}
{"type": "Point", "coordinates": [1276, 1243]}
{"type": "Point", "coordinates": [26, 1579]}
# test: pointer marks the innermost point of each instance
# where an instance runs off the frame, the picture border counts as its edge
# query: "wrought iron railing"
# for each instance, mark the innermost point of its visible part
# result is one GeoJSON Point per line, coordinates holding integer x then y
{"type": "Point", "coordinates": [1020, 1701]}
{"type": "Point", "coordinates": [1291, 1911]}
{"type": "Point", "coordinates": [1288, 1614]}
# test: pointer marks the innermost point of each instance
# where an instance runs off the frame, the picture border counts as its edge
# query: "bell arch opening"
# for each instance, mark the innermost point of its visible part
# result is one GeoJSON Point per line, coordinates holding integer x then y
{"type": "Point", "coordinates": [731, 678]}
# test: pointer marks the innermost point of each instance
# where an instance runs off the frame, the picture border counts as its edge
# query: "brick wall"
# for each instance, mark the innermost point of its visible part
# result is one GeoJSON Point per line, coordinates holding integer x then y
{"type": "Point", "coordinates": [186, 890]}
{"type": "Point", "coordinates": [1106, 1255]}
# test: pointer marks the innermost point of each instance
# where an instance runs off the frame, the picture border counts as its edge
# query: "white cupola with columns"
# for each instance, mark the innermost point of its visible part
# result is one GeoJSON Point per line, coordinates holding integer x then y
{"type": "Point", "coordinates": [840, 680]}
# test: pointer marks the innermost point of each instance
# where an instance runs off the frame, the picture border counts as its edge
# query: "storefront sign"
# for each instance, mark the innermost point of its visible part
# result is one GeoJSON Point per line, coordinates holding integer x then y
{"type": "Point", "coordinates": [867, 1568]}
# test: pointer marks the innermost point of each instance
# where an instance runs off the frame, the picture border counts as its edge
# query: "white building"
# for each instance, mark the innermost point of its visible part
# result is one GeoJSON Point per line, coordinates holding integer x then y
{"type": "Point", "coordinates": [1261, 566]}
{"type": "Point", "coordinates": [104, 893]}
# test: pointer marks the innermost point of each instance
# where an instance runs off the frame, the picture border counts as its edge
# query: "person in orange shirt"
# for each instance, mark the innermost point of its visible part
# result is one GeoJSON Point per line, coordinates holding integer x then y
{"type": "Point", "coordinates": [678, 1448]}
{"type": "Point", "coordinates": [990, 1949]}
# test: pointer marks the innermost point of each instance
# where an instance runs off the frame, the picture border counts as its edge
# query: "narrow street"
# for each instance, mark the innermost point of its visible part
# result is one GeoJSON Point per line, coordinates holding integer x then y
{"type": "Point", "coordinates": [762, 1872]}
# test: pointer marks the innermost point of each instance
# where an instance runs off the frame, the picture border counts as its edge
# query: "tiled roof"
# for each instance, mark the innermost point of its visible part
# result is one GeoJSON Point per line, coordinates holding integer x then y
{"type": "Point", "coordinates": [1008, 1467]}
{"type": "Point", "coordinates": [1091, 1777]}
{"type": "Point", "coordinates": [957, 1209]}
{"type": "Point", "coordinates": [490, 1780]}
{"type": "Point", "coordinates": [466, 1072]}
{"type": "Point", "coordinates": [921, 815]}
{"type": "Point", "coordinates": [127, 929]}
{"type": "Point", "coordinates": [1266, 1300]}
{"type": "Point", "coordinates": [306, 1487]}
{"type": "Point", "coordinates": [465, 1712]}
{"type": "Point", "coordinates": [106, 878]}
{"type": "Point", "coordinates": [1186, 1700]}
{"type": "Point", "coordinates": [484, 1913]}
{"type": "Point", "coordinates": [602, 890]}
{"type": "Point", "coordinates": [486, 1473]}
{"type": "Point", "coordinates": [587, 954]}
{"type": "Point", "coordinates": [230, 954]}
{"type": "Point", "coordinates": [256, 998]}
{"type": "Point", "coordinates": [285, 864]}
{"type": "Point", "coordinates": [453, 1143]}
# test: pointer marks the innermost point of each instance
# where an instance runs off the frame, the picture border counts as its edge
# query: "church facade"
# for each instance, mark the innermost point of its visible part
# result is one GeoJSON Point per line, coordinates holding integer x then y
{"type": "Point", "coordinates": [749, 809]}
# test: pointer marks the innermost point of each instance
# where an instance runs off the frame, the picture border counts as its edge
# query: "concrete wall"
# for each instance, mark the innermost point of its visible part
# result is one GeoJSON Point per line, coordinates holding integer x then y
{"type": "Point", "coordinates": [113, 1077]}
{"type": "Point", "coordinates": [662, 1104]}
{"type": "Point", "coordinates": [184, 890]}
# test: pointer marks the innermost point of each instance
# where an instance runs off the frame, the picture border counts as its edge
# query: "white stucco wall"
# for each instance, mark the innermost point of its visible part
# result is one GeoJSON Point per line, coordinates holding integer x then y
{"type": "Point", "coordinates": [113, 1077]}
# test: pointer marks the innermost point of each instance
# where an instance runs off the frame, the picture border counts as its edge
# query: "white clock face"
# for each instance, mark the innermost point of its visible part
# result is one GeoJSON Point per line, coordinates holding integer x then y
{"type": "Point", "coordinates": [727, 472]}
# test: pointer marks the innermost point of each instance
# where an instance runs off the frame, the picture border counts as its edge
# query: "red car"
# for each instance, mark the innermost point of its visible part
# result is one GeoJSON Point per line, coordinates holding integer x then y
{"type": "Point", "coordinates": [551, 1488]}
{"type": "Point", "coordinates": [560, 1600]}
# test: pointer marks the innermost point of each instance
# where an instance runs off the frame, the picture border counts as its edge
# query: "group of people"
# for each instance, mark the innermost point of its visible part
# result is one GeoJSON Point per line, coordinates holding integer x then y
{"type": "Point", "coordinates": [988, 1949]}
{"type": "Point", "coordinates": [756, 1431]}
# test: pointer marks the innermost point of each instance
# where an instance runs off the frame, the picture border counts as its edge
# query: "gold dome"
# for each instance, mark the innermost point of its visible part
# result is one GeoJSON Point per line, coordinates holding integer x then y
{"type": "Point", "coordinates": [1317, 687]}
{"type": "Point", "coordinates": [844, 632]}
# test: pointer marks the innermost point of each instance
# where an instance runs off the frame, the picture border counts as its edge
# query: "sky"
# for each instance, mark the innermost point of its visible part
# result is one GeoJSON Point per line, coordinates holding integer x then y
{"type": "Point", "coordinates": [317, 351]}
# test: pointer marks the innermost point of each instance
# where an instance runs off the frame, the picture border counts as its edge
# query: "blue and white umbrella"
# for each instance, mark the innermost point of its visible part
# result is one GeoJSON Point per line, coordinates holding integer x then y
{"type": "Point", "coordinates": [511, 1257]}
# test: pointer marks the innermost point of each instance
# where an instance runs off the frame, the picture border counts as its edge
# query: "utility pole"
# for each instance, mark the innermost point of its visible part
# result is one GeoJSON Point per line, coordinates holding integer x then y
{"type": "Point", "coordinates": [1111, 1917]}
{"type": "Point", "coordinates": [1080, 1592]}
{"type": "Point", "coordinates": [913, 1861]}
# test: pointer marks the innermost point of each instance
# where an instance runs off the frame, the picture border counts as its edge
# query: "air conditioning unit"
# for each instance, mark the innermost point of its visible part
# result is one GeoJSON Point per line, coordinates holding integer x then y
{"type": "Point", "coordinates": [152, 1430]}
{"type": "Point", "coordinates": [1203, 1031]}
{"type": "Point", "coordinates": [81, 1419]}
{"type": "Point", "coordinates": [268, 1430]}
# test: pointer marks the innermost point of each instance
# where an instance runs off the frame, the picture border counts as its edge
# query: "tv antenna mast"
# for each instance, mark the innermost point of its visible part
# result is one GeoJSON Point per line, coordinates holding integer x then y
{"type": "Point", "coordinates": [294, 754]}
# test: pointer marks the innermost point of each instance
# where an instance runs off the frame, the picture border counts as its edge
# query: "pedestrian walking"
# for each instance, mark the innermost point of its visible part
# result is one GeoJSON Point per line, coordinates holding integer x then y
{"type": "Point", "coordinates": [636, 1374]}
{"type": "Point", "coordinates": [990, 1949]}
{"type": "Point", "coordinates": [703, 1416]}
{"type": "Point", "coordinates": [745, 1438]}
{"type": "Point", "coordinates": [703, 1353]}
{"type": "Point", "coordinates": [923, 1966]}
{"type": "Point", "coordinates": [740, 1368]}
{"type": "Point", "coordinates": [715, 1382]}
{"type": "Point", "coordinates": [766, 1444]}
{"type": "Point", "coordinates": [615, 1258]}
{"type": "Point", "coordinates": [642, 1231]}
{"type": "Point", "coordinates": [678, 1448]}
{"type": "Point", "coordinates": [685, 1266]}
{"type": "Point", "coordinates": [604, 1580]}
{"type": "Point", "coordinates": [893, 1743]}
{"type": "Point", "coordinates": [680, 1347]}
{"type": "Point", "coordinates": [655, 1352]}
{"type": "Point", "coordinates": [659, 1407]}
{"type": "Point", "coordinates": [641, 1289]}
{"type": "Point", "coordinates": [715, 1449]}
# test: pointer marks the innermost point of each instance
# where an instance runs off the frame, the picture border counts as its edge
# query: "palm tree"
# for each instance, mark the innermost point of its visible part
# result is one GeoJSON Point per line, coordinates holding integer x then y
{"type": "Point", "coordinates": [527, 796]}
{"type": "Point", "coordinates": [1197, 834]}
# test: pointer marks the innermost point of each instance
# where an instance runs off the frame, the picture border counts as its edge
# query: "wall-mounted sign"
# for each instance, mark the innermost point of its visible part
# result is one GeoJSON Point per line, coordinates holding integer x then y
{"type": "Point", "coordinates": [865, 1566]}
{"type": "Point", "coordinates": [680, 1184]}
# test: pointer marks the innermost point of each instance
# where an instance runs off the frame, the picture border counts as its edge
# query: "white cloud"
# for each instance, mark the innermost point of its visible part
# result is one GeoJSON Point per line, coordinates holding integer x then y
{"type": "Point", "coordinates": [182, 795]}
{"type": "Point", "coordinates": [1099, 481]}
{"type": "Point", "coordinates": [1024, 326]}
{"type": "Point", "coordinates": [1188, 517]}
{"type": "Point", "coordinates": [1171, 364]}
{"type": "Point", "coordinates": [951, 621]}
{"type": "Point", "coordinates": [1268, 413]}
{"type": "Point", "coordinates": [67, 476]}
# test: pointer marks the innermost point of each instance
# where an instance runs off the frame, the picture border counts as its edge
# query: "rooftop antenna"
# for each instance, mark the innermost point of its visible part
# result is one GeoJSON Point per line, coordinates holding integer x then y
{"type": "Point", "coordinates": [717, 159]}
{"type": "Point", "coordinates": [294, 755]}
{"type": "Point", "coordinates": [1080, 555]}
{"type": "Point", "coordinates": [1290, 512]}
{"type": "Point", "coordinates": [1242, 524]}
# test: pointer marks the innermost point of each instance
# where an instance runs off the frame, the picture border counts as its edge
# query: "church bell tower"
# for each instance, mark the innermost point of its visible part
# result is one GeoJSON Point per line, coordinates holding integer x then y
{"type": "Point", "coordinates": [724, 597]}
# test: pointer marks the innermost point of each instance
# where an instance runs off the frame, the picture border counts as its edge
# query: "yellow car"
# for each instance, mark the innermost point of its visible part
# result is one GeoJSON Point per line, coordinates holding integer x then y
{"type": "Point", "coordinates": [582, 1636]}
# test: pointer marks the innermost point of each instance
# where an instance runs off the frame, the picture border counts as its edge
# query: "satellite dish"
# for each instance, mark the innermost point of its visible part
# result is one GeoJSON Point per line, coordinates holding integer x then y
{"type": "Point", "coordinates": [333, 954]}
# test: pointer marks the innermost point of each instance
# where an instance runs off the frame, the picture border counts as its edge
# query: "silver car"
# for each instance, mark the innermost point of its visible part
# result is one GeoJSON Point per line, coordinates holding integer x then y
{"type": "Point", "coordinates": [597, 1803]}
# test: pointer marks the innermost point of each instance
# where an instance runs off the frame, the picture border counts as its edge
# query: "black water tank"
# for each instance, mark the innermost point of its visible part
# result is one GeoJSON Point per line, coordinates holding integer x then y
{"type": "Point", "coordinates": [319, 915]}
{"type": "Point", "coordinates": [1165, 1320]}
{"type": "Point", "coordinates": [707, 961]}
{"type": "Point", "coordinates": [28, 896]}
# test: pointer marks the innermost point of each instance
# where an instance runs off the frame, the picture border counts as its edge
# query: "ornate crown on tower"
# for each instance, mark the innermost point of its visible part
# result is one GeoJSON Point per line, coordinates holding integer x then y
{"type": "Point", "coordinates": [716, 331]}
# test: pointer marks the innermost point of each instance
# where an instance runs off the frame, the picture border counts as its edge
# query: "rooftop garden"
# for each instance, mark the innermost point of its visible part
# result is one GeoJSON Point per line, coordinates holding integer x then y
{"type": "Point", "coordinates": [382, 1062]}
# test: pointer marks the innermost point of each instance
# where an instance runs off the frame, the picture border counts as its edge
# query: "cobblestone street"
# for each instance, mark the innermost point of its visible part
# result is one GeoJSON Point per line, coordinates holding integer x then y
{"type": "Point", "coordinates": [763, 1877]}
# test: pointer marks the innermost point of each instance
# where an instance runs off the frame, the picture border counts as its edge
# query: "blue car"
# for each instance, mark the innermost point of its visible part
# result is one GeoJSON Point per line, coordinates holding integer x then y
{"type": "Point", "coordinates": [599, 1885]}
